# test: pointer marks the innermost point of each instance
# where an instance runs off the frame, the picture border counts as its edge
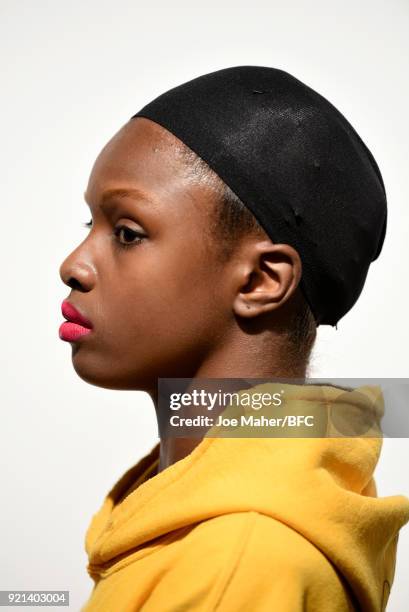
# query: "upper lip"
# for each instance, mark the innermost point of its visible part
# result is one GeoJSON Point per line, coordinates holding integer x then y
{"type": "Point", "coordinates": [70, 313]}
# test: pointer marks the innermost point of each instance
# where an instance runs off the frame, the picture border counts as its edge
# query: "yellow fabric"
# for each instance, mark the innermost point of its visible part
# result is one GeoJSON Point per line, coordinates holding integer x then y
{"type": "Point", "coordinates": [285, 524]}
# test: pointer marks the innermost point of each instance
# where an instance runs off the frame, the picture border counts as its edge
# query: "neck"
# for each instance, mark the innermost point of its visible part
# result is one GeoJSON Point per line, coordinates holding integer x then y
{"type": "Point", "coordinates": [242, 360]}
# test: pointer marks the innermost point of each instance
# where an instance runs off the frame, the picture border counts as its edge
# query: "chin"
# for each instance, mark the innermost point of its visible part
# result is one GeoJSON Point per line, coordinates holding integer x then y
{"type": "Point", "coordinates": [91, 370]}
{"type": "Point", "coordinates": [100, 373]}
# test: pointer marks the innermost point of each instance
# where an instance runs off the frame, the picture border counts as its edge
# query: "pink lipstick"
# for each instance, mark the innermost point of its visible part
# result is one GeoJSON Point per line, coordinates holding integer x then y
{"type": "Point", "coordinates": [75, 326]}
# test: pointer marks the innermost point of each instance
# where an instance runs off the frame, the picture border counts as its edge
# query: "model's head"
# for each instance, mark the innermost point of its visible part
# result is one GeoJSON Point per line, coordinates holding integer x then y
{"type": "Point", "coordinates": [220, 237]}
{"type": "Point", "coordinates": [170, 271]}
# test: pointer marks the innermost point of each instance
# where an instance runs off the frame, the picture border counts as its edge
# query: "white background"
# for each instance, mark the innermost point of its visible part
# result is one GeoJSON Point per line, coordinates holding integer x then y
{"type": "Point", "coordinates": [72, 74]}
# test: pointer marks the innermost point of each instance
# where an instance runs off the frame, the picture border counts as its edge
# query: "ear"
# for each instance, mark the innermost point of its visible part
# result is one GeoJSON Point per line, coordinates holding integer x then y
{"type": "Point", "coordinates": [269, 276]}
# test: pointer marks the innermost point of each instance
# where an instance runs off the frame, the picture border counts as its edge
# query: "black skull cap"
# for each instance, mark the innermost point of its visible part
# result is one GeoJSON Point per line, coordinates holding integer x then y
{"type": "Point", "coordinates": [296, 163]}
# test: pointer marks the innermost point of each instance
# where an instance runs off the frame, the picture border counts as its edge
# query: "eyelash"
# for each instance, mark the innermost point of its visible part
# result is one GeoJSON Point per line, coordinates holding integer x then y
{"type": "Point", "coordinates": [116, 232]}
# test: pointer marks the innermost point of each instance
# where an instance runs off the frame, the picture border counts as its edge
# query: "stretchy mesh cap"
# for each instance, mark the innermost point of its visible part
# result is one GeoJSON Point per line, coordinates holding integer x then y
{"type": "Point", "coordinates": [296, 163]}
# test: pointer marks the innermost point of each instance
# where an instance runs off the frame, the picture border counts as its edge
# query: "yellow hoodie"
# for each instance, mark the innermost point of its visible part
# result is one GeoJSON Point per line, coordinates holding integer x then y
{"type": "Point", "coordinates": [252, 524]}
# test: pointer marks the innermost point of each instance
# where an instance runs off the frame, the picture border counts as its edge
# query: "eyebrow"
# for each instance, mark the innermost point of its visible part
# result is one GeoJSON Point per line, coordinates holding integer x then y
{"type": "Point", "coordinates": [109, 194]}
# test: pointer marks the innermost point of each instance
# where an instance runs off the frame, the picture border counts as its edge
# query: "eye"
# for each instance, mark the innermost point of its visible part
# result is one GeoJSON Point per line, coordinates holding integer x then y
{"type": "Point", "coordinates": [127, 237]}
{"type": "Point", "coordinates": [89, 224]}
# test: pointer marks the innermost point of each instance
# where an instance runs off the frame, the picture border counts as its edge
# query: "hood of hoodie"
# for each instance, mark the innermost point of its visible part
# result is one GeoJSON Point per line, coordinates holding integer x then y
{"type": "Point", "coordinates": [322, 487]}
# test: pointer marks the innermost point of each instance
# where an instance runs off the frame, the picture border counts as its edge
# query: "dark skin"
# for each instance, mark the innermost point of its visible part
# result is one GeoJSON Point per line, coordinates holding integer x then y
{"type": "Point", "coordinates": [165, 305]}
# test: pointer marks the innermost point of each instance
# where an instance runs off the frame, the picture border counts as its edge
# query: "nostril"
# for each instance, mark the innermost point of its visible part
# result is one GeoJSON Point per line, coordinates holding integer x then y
{"type": "Point", "coordinates": [74, 284]}
{"type": "Point", "coordinates": [78, 275]}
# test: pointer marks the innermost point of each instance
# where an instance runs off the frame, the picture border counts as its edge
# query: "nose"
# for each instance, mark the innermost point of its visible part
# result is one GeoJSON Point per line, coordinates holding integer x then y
{"type": "Point", "coordinates": [78, 271]}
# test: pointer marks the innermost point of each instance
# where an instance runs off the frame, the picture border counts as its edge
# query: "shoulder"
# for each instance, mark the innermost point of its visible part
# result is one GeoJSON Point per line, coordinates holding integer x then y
{"type": "Point", "coordinates": [258, 538]}
{"type": "Point", "coordinates": [259, 559]}
{"type": "Point", "coordinates": [255, 538]}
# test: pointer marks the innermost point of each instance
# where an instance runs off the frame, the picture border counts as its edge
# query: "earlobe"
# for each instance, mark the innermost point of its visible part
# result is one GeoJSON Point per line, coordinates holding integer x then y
{"type": "Point", "coordinates": [269, 282]}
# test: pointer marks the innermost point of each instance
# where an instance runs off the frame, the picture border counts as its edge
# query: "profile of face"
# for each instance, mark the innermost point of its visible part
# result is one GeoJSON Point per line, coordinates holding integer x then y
{"type": "Point", "coordinates": [148, 275]}
{"type": "Point", "coordinates": [144, 275]}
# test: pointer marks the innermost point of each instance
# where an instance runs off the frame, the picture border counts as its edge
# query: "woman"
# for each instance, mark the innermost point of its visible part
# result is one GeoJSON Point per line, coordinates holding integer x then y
{"type": "Point", "coordinates": [230, 217]}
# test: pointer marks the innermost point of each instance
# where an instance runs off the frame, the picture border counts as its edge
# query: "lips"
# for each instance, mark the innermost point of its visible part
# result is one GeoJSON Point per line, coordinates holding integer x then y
{"type": "Point", "coordinates": [70, 313]}
{"type": "Point", "coordinates": [76, 324]}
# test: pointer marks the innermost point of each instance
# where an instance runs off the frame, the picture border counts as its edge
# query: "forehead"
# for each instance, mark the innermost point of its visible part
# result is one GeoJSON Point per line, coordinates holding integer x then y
{"type": "Point", "coordinates": [141, 154]}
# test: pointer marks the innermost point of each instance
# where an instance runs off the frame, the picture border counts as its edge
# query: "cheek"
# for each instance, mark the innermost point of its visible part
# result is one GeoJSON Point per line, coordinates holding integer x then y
{"type": "Point", "coordinates": [163, 302]}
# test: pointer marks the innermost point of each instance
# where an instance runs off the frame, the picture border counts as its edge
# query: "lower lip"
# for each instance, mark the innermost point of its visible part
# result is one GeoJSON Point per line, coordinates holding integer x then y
{"type": "Point", "coordinates": [72, 331]}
